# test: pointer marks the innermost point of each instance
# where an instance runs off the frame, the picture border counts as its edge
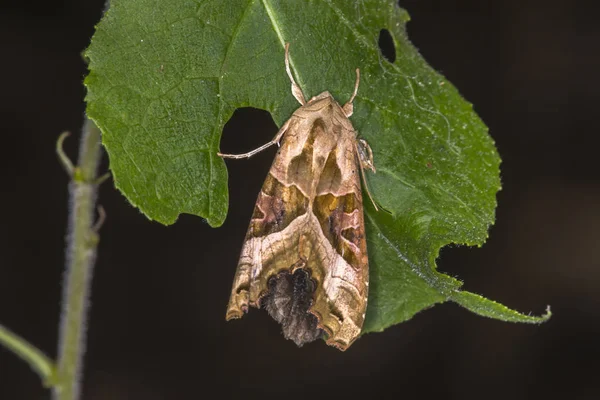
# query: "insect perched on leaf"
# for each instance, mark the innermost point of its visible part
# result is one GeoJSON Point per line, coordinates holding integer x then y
{"type": "Point", "coordinates": [304, 257]}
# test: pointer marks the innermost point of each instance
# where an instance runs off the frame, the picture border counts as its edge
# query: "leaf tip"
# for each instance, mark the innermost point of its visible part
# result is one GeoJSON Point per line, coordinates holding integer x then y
{"type": "Point", "coordinates": [547, 315]}
{"type": "Point", "coordinates": [491, 309]}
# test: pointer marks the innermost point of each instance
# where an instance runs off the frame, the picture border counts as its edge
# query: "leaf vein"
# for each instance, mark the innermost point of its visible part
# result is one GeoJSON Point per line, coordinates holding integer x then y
{"type": "Point", "coordinates": [279, 34]}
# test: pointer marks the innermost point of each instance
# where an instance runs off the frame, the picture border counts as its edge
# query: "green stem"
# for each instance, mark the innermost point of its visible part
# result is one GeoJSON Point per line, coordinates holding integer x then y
{"type": "Point", "coordinates": [82, 241]}
{"type": "Point", "coordinates": [37, 360]}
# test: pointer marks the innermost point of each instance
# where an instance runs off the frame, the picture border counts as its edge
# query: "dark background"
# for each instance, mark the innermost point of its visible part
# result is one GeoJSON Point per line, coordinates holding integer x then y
{"type": "Point", "coordinates": [157, 328]}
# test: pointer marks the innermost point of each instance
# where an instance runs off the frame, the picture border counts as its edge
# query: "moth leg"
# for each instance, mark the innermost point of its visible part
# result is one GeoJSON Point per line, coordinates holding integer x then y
{"type": "Point", "coordinates": [275, 140]}
{"type": "Point", "coordinates": [365, 159]}
{"type": "Point", "coordinates": [349, 107]}
{"type": "Point", "coordinates": [365, 154]}
{"type": "Point", "coordinates": [296, 91]}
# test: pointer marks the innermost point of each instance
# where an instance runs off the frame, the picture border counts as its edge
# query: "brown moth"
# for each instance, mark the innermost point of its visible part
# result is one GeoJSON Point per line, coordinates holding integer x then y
{"type": "Point", "coordinates": [304, 257]}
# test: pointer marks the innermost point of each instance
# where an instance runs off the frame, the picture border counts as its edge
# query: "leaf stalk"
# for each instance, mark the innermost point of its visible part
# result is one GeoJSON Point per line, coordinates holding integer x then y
{"type": "Point", "coordinates": [33, 356]}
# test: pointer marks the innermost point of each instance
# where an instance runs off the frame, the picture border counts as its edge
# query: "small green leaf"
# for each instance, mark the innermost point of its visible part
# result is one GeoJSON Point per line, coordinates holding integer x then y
{"type": "Point", "coordinates": [166, 76]}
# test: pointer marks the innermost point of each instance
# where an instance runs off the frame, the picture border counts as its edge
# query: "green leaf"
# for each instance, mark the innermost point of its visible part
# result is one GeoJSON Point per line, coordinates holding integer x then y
{"type": "Point", "coordinates": [166, 76]}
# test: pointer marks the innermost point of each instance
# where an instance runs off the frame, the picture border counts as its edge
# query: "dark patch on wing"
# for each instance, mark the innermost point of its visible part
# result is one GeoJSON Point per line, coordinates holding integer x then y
{"type": "Point", "coordinates": [276, 207]}
{"type": "Point", "coordinates": [353, 235]}
{"type": "Point", "coordinates": [289, 298]}
{"type": "Point", "coordinates": [334, 215]}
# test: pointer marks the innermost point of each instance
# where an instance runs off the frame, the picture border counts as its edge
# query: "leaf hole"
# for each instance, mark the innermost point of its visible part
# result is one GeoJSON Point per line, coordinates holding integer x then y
{"type": "Point", "coordinates": [247, 129]}
{"type": "Point", "coordinates": [386, 45]}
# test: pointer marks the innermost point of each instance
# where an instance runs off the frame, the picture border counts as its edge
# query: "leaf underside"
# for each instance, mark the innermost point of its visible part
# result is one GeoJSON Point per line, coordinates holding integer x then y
{"type": "Point", "coordinates": [165, 77]}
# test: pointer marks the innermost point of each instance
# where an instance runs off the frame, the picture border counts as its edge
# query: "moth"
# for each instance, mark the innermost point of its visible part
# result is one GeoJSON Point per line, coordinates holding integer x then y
{"type": "Point", "coordinates": [304, 258]}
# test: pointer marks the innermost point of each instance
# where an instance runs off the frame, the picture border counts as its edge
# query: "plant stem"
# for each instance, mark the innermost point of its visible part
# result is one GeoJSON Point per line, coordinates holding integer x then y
{"type": "Point", "coordinates": [82, 241]}
{"type": "Point", "coordinates": [37, 360]}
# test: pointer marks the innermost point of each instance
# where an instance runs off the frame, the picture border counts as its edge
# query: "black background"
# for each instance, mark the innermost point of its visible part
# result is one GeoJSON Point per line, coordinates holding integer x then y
{"type": "Point", "coordinates": [157, 328]}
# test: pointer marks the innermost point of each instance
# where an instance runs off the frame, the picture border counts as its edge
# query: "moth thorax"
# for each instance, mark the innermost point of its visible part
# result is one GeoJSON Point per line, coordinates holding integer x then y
{"type": "Point", "coordinates": [289, 298]}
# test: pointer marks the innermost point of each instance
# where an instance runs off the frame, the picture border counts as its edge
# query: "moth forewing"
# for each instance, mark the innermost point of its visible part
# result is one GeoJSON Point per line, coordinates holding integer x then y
{"type": "Point", "coordinates": [304, 257]}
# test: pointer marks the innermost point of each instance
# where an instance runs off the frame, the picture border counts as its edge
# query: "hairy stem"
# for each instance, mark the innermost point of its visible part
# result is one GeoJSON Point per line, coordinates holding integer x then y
{"type": "Point", "coordinates": [82, 240]}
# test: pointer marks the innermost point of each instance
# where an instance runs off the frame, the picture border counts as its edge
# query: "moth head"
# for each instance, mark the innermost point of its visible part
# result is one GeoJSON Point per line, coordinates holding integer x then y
{"type": "Point", "coordinates": [324, 95]}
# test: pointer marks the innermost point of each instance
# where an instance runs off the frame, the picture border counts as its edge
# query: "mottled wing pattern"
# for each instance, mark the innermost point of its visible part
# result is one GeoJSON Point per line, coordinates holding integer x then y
{"type": "Point", "coordinates": [305, 258]}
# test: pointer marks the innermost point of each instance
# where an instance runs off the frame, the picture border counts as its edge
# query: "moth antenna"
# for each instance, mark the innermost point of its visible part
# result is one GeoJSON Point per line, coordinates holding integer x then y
{"type": "Point", "coordinates": [296, 91]}
{"type": "Point", "coordinates": [349, 106]}
{"type": "Point", "coordinates": [355, 86]}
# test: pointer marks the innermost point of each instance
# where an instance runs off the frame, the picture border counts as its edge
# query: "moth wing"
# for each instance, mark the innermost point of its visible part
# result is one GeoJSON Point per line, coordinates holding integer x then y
{"type": "Point", "coordinates": [304, 257]}
{"type": "Point", "coordinates": [338, 208]}
{"type": "Point", "coordinates": [277, 222]}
